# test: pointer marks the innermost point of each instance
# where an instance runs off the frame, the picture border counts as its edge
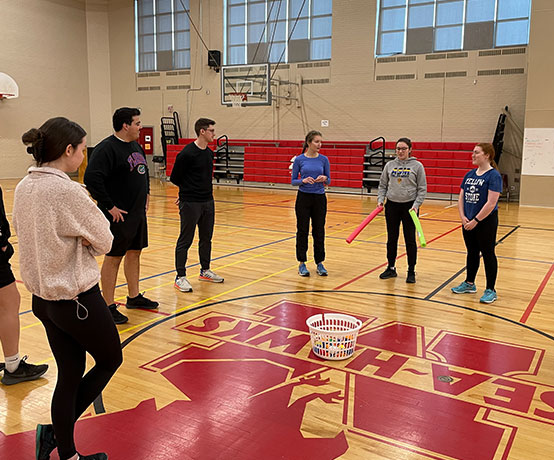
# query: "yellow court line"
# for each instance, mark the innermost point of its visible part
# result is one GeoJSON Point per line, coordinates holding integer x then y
{"type": "Point", "coordinates": [30, 325]}
{"type": "Point", "coordinates": [167, 284]}
{"type": "Point", "coordinates": [222, 266]}
{"type": "Point", "coordinates": [368, 239]}
{"type": "Point", "coordinates": [200, 302]}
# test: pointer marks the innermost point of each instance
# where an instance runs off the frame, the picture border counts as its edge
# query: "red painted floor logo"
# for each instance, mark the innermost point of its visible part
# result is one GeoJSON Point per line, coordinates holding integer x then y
{"type": "Point", "coordinates": [258, 388]}
{"type": "Point", "coordinates": [254, 389]}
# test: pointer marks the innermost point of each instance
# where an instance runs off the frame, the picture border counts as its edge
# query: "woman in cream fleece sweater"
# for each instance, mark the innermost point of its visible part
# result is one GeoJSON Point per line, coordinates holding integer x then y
{"type": "Point", "coordinates": [60, 232]}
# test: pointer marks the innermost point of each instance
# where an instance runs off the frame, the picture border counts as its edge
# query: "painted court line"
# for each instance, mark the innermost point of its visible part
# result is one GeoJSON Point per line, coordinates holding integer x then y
{"type": "Point", "coordinates": [200, 302]}
{"type": "Point", "coordinates": [535, 298]}
{"type": "Point", "coordinates": [384, 264]}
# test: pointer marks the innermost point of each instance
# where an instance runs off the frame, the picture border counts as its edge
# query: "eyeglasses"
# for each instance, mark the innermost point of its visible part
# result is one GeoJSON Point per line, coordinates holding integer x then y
{"type": "Point", "coordinates": [402, 149]}
{"type": "Point", "coordinates": [211, 130]}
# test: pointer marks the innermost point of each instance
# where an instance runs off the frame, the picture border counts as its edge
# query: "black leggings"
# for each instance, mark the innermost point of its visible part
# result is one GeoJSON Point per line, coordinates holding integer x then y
{"type": "Point", "coordinates": [394, 214]}
{"type": "Point", "coordinates": [70, 338]}
{"type": "Point", "coordinates": [310, 206]}
{"type": "Point", "coordinates": [482, 239]}
{"type": "Point", "coordinates": [201, 214]}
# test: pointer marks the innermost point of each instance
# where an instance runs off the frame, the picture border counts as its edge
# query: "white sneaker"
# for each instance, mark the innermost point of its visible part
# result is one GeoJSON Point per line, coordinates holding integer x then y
{"type": "Point", "coordinates": [182, 283]}
{"type": "Point", "coordinates": [208, 275]}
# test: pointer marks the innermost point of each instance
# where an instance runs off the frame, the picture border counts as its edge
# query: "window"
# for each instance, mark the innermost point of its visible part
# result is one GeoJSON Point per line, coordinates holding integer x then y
{"type": "Point", "coordinates": [162, 35]}
{"type": "Point", "coordinates": [258, 31]}
{"type": "Point", "coordinates": [426, 26]}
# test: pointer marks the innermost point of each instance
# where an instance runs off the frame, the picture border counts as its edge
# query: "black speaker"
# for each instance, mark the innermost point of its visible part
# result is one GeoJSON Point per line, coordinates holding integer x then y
{"type": "Point", "coordinates": [214, 59]}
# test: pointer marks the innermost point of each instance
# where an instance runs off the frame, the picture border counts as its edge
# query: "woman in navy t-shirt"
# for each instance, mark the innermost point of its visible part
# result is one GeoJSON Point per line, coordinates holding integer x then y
{"type": "Point", "coordinates": [478, 207]}
{"type": "Point", "coordinates": [311, 171]}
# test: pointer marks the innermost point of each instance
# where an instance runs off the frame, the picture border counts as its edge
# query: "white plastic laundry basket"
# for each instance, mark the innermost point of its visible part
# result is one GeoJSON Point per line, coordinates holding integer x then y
{"type": "Point", "coordinates": [333, 335]}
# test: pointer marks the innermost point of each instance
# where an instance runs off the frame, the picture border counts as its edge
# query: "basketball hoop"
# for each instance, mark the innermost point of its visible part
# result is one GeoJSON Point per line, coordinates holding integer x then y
{"type": "Point", "coordinates": [237, 99]}
{"type": "Point", "coordinates": [8, 87]}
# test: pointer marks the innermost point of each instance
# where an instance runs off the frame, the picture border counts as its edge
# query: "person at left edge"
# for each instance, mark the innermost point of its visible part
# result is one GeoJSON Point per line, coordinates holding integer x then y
{"type": "Point", "coordinates": [16, 369]}
{"type": "Point", "coordinates": [117, 178]}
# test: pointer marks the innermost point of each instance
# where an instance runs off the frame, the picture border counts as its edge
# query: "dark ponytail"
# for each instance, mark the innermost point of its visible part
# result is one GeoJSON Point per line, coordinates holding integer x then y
{"type": "Point", "coordinates": [49, 142]}
{"type": "Point", "coordinates": [309, 138]}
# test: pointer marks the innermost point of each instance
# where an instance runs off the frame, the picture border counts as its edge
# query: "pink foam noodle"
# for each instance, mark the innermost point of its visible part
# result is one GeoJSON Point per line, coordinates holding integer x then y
{"type": "Point", "coordinates": [366, 221]}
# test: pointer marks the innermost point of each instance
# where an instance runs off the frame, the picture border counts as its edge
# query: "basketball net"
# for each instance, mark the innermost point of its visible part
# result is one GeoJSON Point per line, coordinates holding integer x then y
{"type": "Point", "coordinates": [237, 99]}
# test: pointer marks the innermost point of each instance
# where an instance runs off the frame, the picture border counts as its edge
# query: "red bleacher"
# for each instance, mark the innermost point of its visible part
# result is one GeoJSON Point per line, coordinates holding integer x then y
{"type": "Point", "coordinates": [268, 161]}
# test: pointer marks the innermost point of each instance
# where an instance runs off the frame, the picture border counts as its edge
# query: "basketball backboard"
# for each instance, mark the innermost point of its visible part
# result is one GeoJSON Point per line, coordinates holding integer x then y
{"type": "Point", "coordinates": [248, 82]}
{"type": "Point", "coordinates": [8, 87]}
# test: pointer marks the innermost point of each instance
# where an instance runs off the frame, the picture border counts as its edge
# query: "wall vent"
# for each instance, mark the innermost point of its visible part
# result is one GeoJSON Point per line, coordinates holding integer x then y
{"type": "Point", "coordinates": [431, 57]}
{"type": "Point", "coordinates": [435, 75]}
{"type": "Point", "coordinates": [461, 54]}
{"type": "Point", "coordinates": [322, 64]}
{"type": "Point", "coordinates": [386, 60]}
{"type": "Point", "coordinates": [405, 76]}
{"type": "Point", "coordinates": [175, 73]}
{"type": "Point", "coordinates": [405, 58]}
{"type": "Point", "coordinates": [484, 73]}
{"type": "Point", "coordinates": [514, 51]}
{"type": "Point", "coordinates": [172, 87]}
{"type": "Point", "coordinates": [490, 53]}
{"type": "Point", "coordinates": [315, 81]}
{"type": "Point", "coordinates": [304, 65]}
{"type": "Point", "coordinates": [148, 74]}
{"type": "Point", "coordinates": [281, 67]}
{"type": "Point", "coordinates": [512, 71]}
{"type": "Point", "coordinates": [384, 77]}
{"type": "Point", "coordinates": [456, 74]}
{"type": "Point", "coordinates": [148, 88]}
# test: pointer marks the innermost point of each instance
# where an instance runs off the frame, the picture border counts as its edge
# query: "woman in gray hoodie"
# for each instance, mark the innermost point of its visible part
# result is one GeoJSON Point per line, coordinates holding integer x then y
{"type": "Point", "coordinates": [404, 185]}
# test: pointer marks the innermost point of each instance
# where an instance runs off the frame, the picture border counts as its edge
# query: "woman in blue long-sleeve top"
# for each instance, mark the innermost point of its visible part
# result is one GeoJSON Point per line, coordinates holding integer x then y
{"type": "Point", "coordinates": [311, 171]}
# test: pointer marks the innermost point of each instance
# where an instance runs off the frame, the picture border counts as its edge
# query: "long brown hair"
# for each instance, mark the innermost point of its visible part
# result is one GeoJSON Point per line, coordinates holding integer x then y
{"type": "Point", "coordinates": [309, 138]}
{"type": "Point", "coordinates": [488, 150]}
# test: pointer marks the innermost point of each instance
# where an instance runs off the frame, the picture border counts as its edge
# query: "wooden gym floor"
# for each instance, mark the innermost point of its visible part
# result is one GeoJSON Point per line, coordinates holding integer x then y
{"type": "Point", "coordinates": [226, 372]}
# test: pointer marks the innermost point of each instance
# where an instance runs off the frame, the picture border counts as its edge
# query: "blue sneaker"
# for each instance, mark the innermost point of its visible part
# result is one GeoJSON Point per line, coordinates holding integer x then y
{"type": "Point", "coordinates": [302, 270]}
{"type": "Point", "coordinates": [464, 288]}
{"type": "Point", "coordinates": [321, 271]}
{"type": "Point", "coordinates": [489, 296]}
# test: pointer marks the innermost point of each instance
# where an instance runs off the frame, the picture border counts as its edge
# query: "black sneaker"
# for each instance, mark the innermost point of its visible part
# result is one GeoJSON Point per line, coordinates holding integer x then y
{"type": "Point", "coordinates": [45, 442]}
{"type": "Point", "coordinates": [388, 273]}
{"type": "Point", "coordinates": [98, 456]}
{"type": "Point", "coordinates": [118, 318]}
{"type": "Point", "coordinates": [141, 302]}
{"type": "Point", "coordinates": [24, 372]}
{"type": "Point", "coordinates": [2, 366]}
{"type": "Point", "coordinates": [410, 278]}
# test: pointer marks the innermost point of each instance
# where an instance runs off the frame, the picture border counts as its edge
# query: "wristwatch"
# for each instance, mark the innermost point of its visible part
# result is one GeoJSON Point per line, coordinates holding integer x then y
{"type": "Point", "coordinates": [476, 220]}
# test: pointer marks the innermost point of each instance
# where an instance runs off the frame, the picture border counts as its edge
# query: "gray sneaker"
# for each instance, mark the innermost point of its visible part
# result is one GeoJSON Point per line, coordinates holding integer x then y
{"type": "Point", "coordinates": [208, 275]}
{"type": "Point", "coordinates": [182, 283]}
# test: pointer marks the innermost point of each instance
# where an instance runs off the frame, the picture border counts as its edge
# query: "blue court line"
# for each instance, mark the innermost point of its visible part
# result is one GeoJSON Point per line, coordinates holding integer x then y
{"type": "Point", "coordinates": [215, 258]}
{"type": "Point", "coordinates": [197, 264]}
{"type": "Point", "coordinates": [329, 237]}
{"type": "Point", "coordinates": [459, 272]}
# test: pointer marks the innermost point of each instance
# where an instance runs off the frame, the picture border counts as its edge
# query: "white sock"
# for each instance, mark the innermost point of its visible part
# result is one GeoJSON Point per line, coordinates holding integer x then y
{"type": "Point", "coordinates": [12, 362]}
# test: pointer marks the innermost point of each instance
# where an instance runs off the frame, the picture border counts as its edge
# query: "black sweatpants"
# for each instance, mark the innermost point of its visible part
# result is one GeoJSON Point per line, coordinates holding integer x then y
{"type": "Point", "coordinates": [310, 206]}
{"type": "Point", "coordinates": [482, 239]}
{"type": "Point", "coordinates": [70, 338]}
{"type": "Point", "coordinates": [395, 213]}
{"type": "Point", "coordinates": [193, 214]}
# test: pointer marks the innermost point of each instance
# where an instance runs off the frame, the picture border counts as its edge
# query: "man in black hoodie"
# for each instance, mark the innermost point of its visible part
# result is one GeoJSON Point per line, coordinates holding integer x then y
{"type": "Point", "coordinates": [117, 178]}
